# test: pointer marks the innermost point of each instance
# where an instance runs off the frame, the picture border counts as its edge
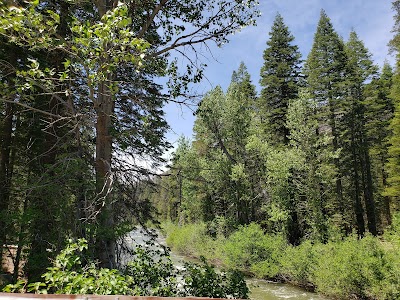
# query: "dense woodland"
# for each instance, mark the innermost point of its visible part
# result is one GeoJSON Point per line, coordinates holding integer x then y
{"type": "Point", "coordinates": [314, 155]}
{"type": "Point", "coordinates": [312, 159]}
{"type": "Point", "coordinates": [301, 182]}
{"type": "Point", "coordinates": [81, 110]}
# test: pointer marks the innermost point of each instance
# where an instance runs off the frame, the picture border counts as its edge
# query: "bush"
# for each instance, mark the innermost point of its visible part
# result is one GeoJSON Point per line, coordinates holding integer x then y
{"type": "Point", "coordinates": [68, 276]}
{"type": "Point", "coordinates": [389, 286]}
{"type": "Point", "coordinates": [186, 239]}
{"type": "Point", "coordinates": [298, 263]}
{"type": "Point", "coordinates": [350, 268]}
{"type": "Point", "coordinates": [204, 281]}
{"type": "Point", "coordinates": [152, 272]}
{"type": "Point", "coordinates": [251, 250]}
{"type": "Point", "coordinates": [221, 227]}
{"type": "Point", "coordinates": [343, 268]}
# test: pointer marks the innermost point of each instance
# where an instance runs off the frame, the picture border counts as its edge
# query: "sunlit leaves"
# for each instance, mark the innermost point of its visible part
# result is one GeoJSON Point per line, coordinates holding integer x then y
{"type": "Point", "coordinates": [27, 27]}
{"type": "Point", "coordinates": [97, 47]}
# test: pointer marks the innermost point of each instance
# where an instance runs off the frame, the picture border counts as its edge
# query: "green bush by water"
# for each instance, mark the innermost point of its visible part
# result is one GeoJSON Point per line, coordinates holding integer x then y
{"type": "Point", "coordinates": [367, 268]}
{"type": "Point", "coordinates": [205, 281]}
{"type": "Point", "coordinates": [298, 264]}
{"type": "Point", "coordinates": [186, 239]}
{"type": "Point", "coordinates": [251, 250]}
{"type": "Point", "coordinates": [192, 240]}
{"type": "Point", "coordinates": [350, 267]}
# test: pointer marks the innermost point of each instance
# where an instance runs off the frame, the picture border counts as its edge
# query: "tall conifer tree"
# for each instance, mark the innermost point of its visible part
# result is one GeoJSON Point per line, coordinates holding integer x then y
{"type": "Point", "coordinates": [280, 76]}
{"type": "Point", "coordinates": [355, 147]}
{"type": "Point", "coordinates": [393, 164]}
{"type": "Point", "coordinates": [312, 170]}
{"type": "Point", "coordinates": [379, 112]}
{"type": "Point", "coordinates": [325, 70]}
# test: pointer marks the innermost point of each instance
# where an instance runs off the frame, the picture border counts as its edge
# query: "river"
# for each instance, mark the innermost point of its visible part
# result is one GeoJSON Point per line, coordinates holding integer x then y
{"type": "Point", "coordinates": [259, 289]}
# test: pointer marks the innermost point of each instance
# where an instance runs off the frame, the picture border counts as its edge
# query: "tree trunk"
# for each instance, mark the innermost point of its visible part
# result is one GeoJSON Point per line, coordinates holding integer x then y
{"type": "Point", "coordinates": [21, 242]}
{"type": "Point", "coordinates": [294, 227]}
{"type": "Point", "coordinates": [386, 199]}
{"type": "Point", "coordinates": [368, 191]}
{"type": "Point", "coordinates": [358, 208]}
{"type": "Point", "coordinates": [105, 242]}
{"type": "Point", "coordinates": [6, 131]}
{"type": "Point", "coordinates": [294, 232]}
{"type": "Point", "coordinates": [105, 248]}
{"type": "Point", "coordinates": [5, 170]}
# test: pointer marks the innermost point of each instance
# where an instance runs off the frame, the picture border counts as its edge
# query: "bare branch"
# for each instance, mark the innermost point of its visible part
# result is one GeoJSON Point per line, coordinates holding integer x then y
{"type": "Point", "coordinates": [192, 35]}
{"type": "Point", "coordinates": [32, 108]}
{"type": "Point", "coordinates": [151, 18]}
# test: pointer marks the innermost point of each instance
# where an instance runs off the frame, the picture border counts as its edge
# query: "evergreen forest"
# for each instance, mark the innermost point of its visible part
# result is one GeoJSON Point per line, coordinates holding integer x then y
{"type": "Point", "coordinates": [312, 156]}
{"type": "Point", "coordinates": [298, 183]}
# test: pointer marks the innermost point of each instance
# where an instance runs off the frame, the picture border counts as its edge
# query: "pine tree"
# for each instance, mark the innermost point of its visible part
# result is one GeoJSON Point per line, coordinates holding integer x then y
{"type": "Point", "coordinates": [355, 153]}
{"type": "Point", "coordinates": [393, 164]}
{"type": "Point", "coordinates": [280, 77]}
{"type": "Point", "coordinates": [325, 70]}
{"type": "Point", "coordinates": [379, 113]}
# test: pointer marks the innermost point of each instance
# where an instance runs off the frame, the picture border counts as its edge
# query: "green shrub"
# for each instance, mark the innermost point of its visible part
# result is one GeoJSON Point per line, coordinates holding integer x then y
{"type": "Point", "coordinates": [202, 280]}
{"type": "Point", "coordinates": [343, 268]}
{"type": "Point", "coordinates": [186, 239]}
{"type": "Point", "coordinates": [251, 250]}
{"type": "Point", "coordinates": [221, 227]}
{"type": "Point", "coordinates": [298, 263]}
{"type": "Point", "coordinates": [68, 276]}
{"type": "Point", "coordinates": [152, 272]}
{"type": "Point", "coordinates": [389, 286]}
{"type": "Point", "coordinates": [350, 268]}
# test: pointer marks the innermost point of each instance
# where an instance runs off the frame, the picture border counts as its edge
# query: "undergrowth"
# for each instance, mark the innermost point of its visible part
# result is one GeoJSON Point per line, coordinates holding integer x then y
{"type": "Point", "coordinates": [367, 268]}
{"type": "Point", "coordinates": [149, 273]}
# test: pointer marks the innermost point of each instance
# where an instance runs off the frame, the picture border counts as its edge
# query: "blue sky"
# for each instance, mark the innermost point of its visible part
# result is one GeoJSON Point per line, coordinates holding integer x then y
{"type": "Point", "coordinates": [371, 19]}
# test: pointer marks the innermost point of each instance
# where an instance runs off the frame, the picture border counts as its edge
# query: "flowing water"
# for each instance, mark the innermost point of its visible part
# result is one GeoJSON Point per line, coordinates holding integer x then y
{"type": "Point", "coordinates": [259, 289]}
{"type": "Point", "coordinates": [265, 290]}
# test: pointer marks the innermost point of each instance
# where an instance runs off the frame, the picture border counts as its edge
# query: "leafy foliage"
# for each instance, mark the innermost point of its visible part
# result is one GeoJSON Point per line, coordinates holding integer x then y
{"type": "Point", "coordinates": [346, 267]}
{"type": "Point", "coordinates": [393, 163]}
{"type": "Point", "coordinates": [296, 181]}
{"type": "Point", "coordinates": [281, 181]}
{"type": "Point", "coordinates": [152, 272]}
{"type": "Point", "coordinates": [81, 83]}
{"type": "Point", "coordinates": [350, 267]}
{"type": "Point", "coordinates": [299, 262]}
{"type": "Point", "coordinates": [68, 275]}
{"type": "Point", "coordinates": [149, 273]}
{"type": "Point", "coordinates": [202, 280]}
